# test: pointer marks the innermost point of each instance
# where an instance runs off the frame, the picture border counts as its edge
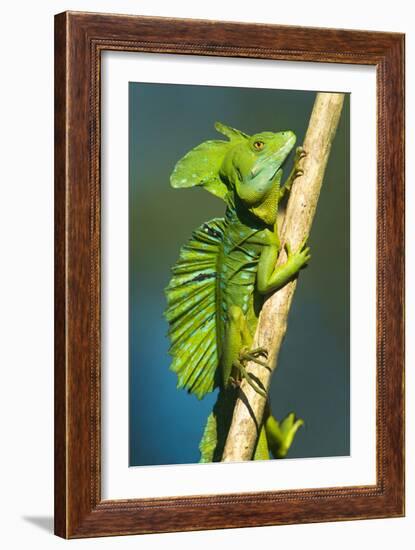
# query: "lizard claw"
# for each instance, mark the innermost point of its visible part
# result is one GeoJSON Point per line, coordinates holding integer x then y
{"type": "Point", "coordinates": [234, 382]}
{"type": "Point", "coordinates": [252, 355]}
{"type": "Point", "coordinates": [300, 153]}
{"type": "Point", "coordinates": [257, 352]}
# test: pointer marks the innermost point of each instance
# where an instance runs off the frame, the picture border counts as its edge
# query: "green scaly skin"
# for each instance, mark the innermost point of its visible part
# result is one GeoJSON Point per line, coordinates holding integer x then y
{"type": "Point", "coordinates": [223, 274]}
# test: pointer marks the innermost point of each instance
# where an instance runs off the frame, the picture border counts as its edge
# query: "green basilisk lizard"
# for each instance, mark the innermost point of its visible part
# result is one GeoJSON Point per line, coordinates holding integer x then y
{"type": "Point", "coordinates": [223, 274]}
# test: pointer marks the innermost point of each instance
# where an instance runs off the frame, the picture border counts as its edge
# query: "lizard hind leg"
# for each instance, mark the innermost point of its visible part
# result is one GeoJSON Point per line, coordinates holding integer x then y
{"type": "Point", "coordinates": [237, 343]}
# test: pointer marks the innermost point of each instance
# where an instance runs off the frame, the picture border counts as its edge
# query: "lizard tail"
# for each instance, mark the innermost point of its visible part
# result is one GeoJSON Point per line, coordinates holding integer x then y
{"type": "Point", "coordinates": [217, 427]}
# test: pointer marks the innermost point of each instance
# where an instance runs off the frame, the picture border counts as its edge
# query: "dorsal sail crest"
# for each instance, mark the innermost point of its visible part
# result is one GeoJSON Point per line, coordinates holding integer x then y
{"type": "Point", "coordinates": [191, 310]}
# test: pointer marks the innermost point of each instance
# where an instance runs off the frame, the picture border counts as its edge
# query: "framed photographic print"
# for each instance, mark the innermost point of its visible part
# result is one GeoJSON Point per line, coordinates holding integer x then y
{"type": "Point", "coordinates": [229, 341]}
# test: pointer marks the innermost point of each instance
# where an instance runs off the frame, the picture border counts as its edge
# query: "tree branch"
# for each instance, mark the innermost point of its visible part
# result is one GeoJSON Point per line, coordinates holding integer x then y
{"type": "Point", "coordinates": [272, 324]}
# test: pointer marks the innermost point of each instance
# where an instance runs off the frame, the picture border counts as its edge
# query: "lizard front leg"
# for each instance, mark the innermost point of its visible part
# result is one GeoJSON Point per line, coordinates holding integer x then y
{"type": "Point", "coordinates": [270, 276]}
{"type": "Point", "coordinates": [295, 172]}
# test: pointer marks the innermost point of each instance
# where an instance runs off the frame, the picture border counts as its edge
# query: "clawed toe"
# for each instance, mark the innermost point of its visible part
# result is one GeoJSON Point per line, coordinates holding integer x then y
{"type": "Point", "coordinates": [257, 352]}
{"type": "Point", "coordinates": [252, 355]}
{"type": "Point", "coordinates": [300, 153]}
{"type": "Point", "coordinates": [250, 379]}
{"type": "Point", "coordinates": [234, 382]}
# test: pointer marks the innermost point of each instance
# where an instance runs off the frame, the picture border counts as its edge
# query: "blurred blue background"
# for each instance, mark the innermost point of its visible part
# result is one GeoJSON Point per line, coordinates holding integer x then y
{"type": "Point", "coordinates": [312, 378]}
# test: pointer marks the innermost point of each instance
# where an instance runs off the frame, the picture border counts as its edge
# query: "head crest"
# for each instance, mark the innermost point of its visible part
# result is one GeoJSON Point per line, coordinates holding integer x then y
{"type": "Point", "coordinates": [201, 165]}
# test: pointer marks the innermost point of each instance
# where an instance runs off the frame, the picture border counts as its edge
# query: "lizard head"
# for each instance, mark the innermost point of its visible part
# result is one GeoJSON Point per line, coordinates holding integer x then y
{"type": "Point", "coordinates": [245, 169]}
{"type": "Point", "coordinates": [253, 169]}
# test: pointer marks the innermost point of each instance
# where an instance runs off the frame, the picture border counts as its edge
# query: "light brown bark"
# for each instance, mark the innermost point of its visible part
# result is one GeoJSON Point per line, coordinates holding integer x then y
{"type": "Point", "coordinates": [272, 324]}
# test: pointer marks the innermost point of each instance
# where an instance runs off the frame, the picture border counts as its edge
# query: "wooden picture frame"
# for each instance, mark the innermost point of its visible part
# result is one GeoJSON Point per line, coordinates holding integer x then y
{"type": "Point", "coordinates": [79, 40]}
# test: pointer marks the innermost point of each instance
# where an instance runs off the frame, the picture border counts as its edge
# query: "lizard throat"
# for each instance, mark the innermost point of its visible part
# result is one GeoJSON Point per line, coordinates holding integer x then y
{"type": "Point", "coordinates": [268, 209]}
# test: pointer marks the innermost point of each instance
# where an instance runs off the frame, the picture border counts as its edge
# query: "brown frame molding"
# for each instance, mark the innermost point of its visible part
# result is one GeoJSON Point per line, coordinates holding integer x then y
{"type": "Point", "coordinates": [79, 40]}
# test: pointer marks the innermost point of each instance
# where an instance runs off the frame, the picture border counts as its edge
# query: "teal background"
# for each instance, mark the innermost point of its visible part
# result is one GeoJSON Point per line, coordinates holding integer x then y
{"type": "Point", "coordinates": [312, 378]}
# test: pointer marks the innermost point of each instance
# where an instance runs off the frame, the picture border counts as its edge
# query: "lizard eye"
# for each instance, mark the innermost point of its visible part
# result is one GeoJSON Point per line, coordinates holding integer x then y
{"type": "Point", "coordinates": [258, 145]}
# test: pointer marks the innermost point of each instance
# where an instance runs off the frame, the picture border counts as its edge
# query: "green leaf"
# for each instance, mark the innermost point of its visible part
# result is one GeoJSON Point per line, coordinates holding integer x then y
{"type": "Point", "coordinates": [280, 435]}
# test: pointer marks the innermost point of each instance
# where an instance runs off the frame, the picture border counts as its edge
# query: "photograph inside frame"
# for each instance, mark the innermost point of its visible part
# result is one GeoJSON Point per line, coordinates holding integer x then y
{"type": "Point", "coordinates": [210, 172]}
